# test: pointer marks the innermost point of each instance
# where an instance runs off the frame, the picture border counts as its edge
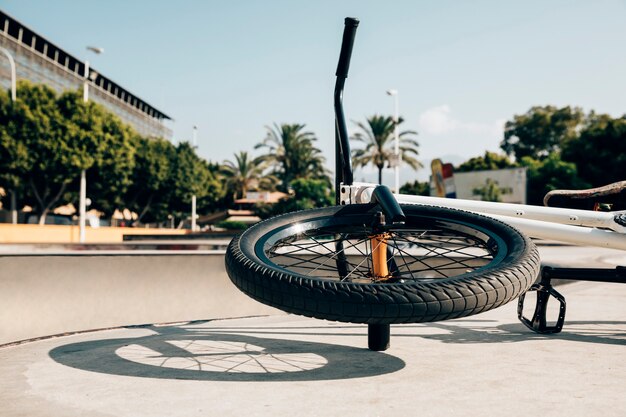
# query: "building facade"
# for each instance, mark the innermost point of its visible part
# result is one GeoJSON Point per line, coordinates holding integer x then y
{"type": "Point", "coordinates": [40, 61]}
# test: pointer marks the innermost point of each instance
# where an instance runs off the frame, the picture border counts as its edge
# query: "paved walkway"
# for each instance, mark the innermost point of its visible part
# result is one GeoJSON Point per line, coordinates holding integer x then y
{"type": "Point", "coordinates": [284, 365]}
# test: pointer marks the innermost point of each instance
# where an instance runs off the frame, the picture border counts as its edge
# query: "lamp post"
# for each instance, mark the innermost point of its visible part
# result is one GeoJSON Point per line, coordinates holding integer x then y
{"type": "Point", "coordinates": [396, 120]}
{"type": "Point", "coordinates": [193, 197]}
{"type": "Point", "coordinates": [89, 76]}
{"type": "Point", "coordinates": [83, 177]}
{"type": "Point", "coordinates": [13, 77]}
{"type": "Point", "coordinates": [13, 98]}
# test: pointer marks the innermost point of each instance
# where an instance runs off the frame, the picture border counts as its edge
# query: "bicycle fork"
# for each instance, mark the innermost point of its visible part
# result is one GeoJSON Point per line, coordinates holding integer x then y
{"type": "Point", "coordinates": [379, 335]}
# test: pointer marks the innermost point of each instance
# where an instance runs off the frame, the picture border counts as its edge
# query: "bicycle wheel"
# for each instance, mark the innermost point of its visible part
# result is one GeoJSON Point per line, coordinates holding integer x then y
{"type": "Point", "coordinates": [339, 263]}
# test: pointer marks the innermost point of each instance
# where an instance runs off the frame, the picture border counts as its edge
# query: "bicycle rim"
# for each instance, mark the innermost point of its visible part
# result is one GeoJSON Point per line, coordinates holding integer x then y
{"type": "Point", "coordinates": [342, 248]}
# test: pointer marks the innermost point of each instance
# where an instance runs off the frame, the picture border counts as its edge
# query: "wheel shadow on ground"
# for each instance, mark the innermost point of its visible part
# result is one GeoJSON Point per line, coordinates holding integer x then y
{"type": "Point", "coordinates": [462, 331]}
{"type": "Point", "coordinates": [602, 332]}
{"type": "Point", "coordinates": [174, 352]}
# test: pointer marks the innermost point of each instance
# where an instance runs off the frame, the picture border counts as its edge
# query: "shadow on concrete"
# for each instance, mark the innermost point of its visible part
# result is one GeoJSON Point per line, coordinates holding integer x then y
{"type": "Point", "coordinates": [465, 331]}
{"type": "Point", "coordinates": [257, 353]}
{"type": "Point", "coordinates": [603, 332]}
{"type": "Point", "coordinates": [212, 355]}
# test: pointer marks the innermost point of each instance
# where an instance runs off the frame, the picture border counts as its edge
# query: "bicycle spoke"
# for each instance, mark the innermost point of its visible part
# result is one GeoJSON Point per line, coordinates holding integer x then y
{"type": "Point", "coordinates": [414, 253]}
{"type": "Point", "coordinates": [312, 261]}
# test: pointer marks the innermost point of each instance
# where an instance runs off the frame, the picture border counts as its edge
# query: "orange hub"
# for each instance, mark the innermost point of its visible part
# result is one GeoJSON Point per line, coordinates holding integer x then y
{"type": "Point", "coordinates": [380, 271]}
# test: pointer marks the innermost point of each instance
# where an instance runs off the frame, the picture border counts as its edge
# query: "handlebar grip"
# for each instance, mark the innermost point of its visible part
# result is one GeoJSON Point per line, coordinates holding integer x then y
{"type": "Point", "coordinates": [349, 33]}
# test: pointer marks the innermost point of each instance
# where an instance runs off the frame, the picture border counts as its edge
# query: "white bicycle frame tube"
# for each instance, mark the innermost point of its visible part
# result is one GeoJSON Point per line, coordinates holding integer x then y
{"type": "Point", "coordinates": [573, 226]}
{"type": "Point", "coordinates": [580, 227]}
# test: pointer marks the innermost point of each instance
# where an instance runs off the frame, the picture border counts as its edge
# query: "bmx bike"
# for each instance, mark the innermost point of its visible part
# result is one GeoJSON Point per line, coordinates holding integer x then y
{"type": "Point", "coordinates": [379, 259]}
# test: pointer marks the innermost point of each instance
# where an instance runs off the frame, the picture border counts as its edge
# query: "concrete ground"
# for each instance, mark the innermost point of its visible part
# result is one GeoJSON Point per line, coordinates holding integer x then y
{"type": "Point", "coordinates": [281, 365]}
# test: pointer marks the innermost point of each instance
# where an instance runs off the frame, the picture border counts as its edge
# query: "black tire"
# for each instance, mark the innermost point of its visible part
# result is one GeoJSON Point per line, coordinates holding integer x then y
{"type": "Point", "coordinates": [451, 282]}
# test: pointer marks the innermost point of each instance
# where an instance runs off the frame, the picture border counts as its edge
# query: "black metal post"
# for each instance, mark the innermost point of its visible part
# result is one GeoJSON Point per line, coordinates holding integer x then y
{"type": "Point", "coordinates": [343, 162]}
{"type": "Point", "coordinates": [378, 336]}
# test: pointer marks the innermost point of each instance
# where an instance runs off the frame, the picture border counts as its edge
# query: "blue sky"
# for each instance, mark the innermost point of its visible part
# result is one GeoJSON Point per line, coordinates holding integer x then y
{"type": "Point", "coordinates": [461, 68]}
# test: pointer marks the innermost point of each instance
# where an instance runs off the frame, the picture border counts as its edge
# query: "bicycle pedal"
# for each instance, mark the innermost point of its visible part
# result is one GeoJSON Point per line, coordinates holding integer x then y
{"type": "Point", "coordinates": [539, 322]}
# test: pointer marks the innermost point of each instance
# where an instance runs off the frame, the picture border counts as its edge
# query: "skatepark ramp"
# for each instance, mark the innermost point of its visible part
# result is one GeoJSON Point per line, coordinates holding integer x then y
{"type": "Point", "coordinates": [42, 295]}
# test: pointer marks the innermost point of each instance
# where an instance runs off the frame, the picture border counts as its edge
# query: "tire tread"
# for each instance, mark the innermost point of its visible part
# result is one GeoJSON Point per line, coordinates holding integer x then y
{"type": "Point", "coordinates": [388, 303]}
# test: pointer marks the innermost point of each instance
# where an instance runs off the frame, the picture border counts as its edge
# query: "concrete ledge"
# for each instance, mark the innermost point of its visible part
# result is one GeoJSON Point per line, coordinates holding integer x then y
{"type": "Point", "coordinates": [48, 295]}
{"type": "Point", "coordinates": [33, 233]}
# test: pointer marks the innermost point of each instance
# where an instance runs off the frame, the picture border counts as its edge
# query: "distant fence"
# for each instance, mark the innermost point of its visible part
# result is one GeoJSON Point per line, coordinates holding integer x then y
{"type": "Point", "coordinates": [32, 233]}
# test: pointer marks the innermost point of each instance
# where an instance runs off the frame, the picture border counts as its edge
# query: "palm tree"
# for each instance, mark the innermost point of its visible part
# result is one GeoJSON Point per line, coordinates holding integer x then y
{"type": "Point", "coordinates": [245, 173]}
{"type": "Point", "coordinates": [378, 137]}
{"type": "Point", "coordinates": [291, 153]}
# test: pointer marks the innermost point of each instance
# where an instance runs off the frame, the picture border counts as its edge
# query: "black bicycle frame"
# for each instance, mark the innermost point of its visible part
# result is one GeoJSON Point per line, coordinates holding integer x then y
{"type": "Point", "coordinates": [378, 335]}
{"type": "Point", "coordinates": [343, 163]}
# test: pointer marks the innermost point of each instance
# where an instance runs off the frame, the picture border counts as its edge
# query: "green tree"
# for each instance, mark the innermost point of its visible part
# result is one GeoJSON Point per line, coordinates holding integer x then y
{"type": "Point", "coordinates": [48, 139]}
{"type": "Point", "coordinates": [378, 137]}
{"type": "Point", "coordinates": [14, 157]}
{"type": "Point", "coordinates": [220, 197]}
{"type": "Point", "coordinates": [164, 179]}
{"type": "Point", "coordinates": [189, 176]}
{"type": "Point", "coordinates": [148, 194]}
{"type": "Point", "coordinates": [599, 152]}
{"type": "Point", "coordinates": [541, 131]}
{"type": "Point", "coordinates": [306, 194]}
{"type": "Point", "coordinates": [30, 126]}
{"type": "Point", "coordinates": [291, 154]}
{"type": "Point", "coordinates": [416, 188]}
{"type": "Point", "coordinates": [110, 175]}
{"type": "Point", "coordinates": [217, 195]}
{"type": "Point", "coordinates": [549, 174]}
{"type": "Point", "coordinates": [490, 161]}
{"type": "Point", "coordinates": [245, 174]}
{"type": "Point", "coordinates": [489, 191]}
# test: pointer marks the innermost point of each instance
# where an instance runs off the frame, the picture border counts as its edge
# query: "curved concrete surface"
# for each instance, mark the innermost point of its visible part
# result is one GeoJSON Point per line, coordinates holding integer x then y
{"type": "Point", "coordinates": [486, 365]}
{"type": "Point", "coordinates": [283, 365]}
{"type": "Point", "coordinates": [54, 294]}
{"type": "Point", "coordinates": [48, 295]}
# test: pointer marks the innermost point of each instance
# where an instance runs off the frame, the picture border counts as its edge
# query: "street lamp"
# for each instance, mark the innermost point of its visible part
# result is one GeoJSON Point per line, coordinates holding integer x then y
{"type": "Point", "coordinates": [396, 119]}
{"type": "Point", "coordinates": [83, 177]}
{"type": "Point", "coordinates": [13, 77]}
{"type": "Point", "coordinates": [194, 142]}
{"type": "Point", "coordinates": [90, 76]}
{"type": "Point", "coordinates": [13, 98]}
